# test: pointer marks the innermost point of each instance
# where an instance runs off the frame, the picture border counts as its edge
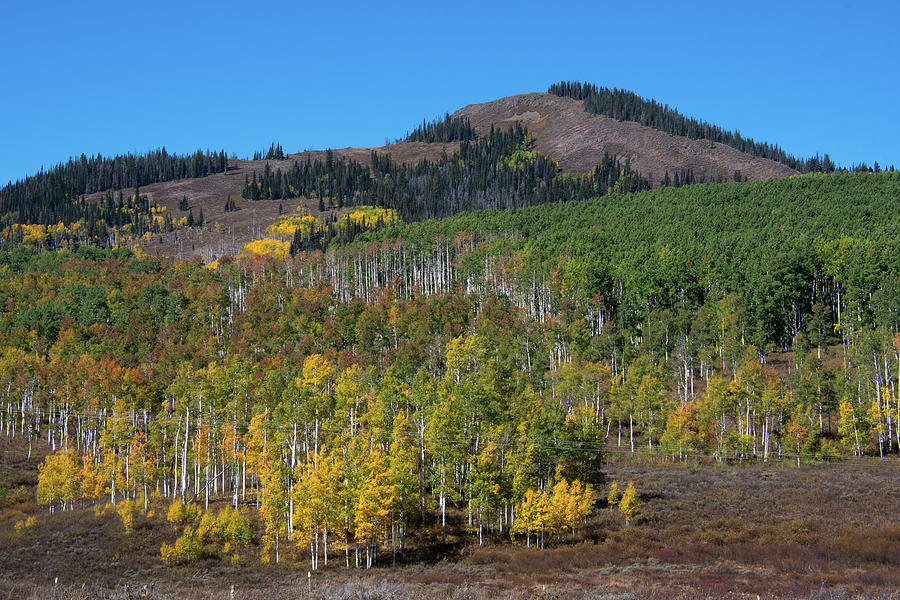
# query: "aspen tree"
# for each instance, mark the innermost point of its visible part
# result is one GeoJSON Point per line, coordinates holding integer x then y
{"type": "Point", "coordinates": [58, 479]}
{"type": "Point", "coordinates": [402, 464]}
{"type": "Point", "coordinates": [93, 483]}
{"type": "Point", "coordinates": [317, 498]}
{"type": "Point", "coordinates": [532, 517]}
{"type": "Point", "coordinates": [629, 502]}
{"type": "Point", "coordinates": [486, 484]}
{"type": "Point", "coordinates": [445, 427]}
{"type": "Point", "coordinates": [266, 461]}
{"type": "Point", "coordinates": [374, 505]}
{"type": "Point", "coordinates": [615, 494]}
{"type": "Point", "coordinates": [797, 430]}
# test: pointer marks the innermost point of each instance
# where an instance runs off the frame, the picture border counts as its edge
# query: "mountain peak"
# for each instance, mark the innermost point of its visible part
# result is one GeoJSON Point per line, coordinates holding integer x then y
{"type": "Point", "coordinates": [563, 130]}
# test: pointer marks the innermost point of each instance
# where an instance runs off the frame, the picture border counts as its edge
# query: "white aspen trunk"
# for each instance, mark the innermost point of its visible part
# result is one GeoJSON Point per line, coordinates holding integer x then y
{"type": "Point", "coordinates": [184, 454]}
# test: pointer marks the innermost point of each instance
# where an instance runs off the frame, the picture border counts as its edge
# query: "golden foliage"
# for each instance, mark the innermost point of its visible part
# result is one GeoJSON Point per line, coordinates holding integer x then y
{"type": "Point", "coordinates": [288, 225]}
{"type": "Point", "coordinates": [267, 247]}
{"type": "Point", "coordinates": [369, 217]}
{"type": "Point", "coordinates": [629, 502]}
{"type": "Point", "coordinates": [24, 525]}
{"type": "Point", "coordinates": [125, 509]}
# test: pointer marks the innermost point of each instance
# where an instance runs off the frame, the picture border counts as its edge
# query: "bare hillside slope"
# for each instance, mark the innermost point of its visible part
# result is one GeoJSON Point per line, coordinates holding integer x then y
{"type": "Point", "coordinates": [578, 140]}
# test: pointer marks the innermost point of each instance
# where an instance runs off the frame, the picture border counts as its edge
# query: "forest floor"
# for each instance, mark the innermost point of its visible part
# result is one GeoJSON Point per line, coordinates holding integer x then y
{"type": "Point", "coordinates": [827, 531]}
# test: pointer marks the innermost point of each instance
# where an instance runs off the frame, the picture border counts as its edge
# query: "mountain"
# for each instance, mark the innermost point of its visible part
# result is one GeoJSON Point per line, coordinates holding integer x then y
{"type": "Point", "coordinates": [546, 147]}
{"type": "Point", "coordinates": [563, 130]}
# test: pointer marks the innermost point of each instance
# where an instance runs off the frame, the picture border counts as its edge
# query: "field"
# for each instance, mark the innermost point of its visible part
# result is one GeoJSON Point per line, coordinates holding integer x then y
{"type": "Point", "coordinates": [702, 531]}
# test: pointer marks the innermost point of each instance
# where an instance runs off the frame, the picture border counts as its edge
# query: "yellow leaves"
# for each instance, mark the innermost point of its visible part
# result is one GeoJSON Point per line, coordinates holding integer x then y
{"type": "Point", "coordinates": [369, 217]}
{"type": "Point", "coordinates": [462, 355]}
{"type": "Point", "coordinates": [125, 510]}
{"type": "Point", "coordinates": [570, 504]}
{"type": "Point", "coordinates": [169, 555]}
{"type": "Point", "coordinates": [375, 501]}
{"type": "Point", "coordinates": [33, 234]}
{"type": "Point", "coordinates": [520, 158]}
{"type": "Point", "coordinates": [317, 494]}
{"type": "Point", "coordinates": [532, 515]}
{"type": "Point", "coordinates": [615, 494]}
{"type": "Point", "coordinates": [58, 479]}
{"type": "Point", "coordinates": [224, 534]}
{"type": "Point", "coordinates": [317, 371]}
{"type": "Point", "coordinates": [24, 525]}
{"type": "Point", "coordinates": [181, 514]}
{"type": "Point", "coordinates": [187, 546]}
{"type": "Point", "coordinates": [886, 413]}
{"type": "Point", "coordinates": [629, 502]}
{"type": "Point", "coordinates": [682, 427]}
{"type": "Point", "coordinates": [561, 511]}
{"type": "Point", "coordinates": [366, 217]}
{"type": "Point", "coordinates": [288, 225]}
{"type": "Point", "coordinates": [267, 247]}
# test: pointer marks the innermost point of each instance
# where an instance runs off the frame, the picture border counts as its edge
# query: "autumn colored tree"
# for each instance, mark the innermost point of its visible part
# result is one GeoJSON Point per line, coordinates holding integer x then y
{"type": "Point", "coordinates": [629, 502]}
{"type": "Point", "coordinates": [374, 505]}
{"type": "Point", "coordinates": [59, 479]}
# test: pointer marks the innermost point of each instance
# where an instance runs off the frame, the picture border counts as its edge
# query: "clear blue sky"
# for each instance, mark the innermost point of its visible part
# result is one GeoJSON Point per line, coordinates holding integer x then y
{"type": "Point", "coordinates": [88, 77]}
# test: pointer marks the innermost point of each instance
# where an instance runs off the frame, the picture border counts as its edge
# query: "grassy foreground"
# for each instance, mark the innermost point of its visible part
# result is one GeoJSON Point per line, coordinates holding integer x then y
{"type": "Point", "coordinates": [826, 531]}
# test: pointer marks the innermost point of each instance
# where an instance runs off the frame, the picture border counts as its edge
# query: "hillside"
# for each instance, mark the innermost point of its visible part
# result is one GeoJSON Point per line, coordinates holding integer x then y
{"type": "Point", "coordinates": [604, 156]}
{"type": "Point", "coordinates": [577, 139]}
{"type": "Point", "coordinates": [226, 232]}
{"type": "Point", "coordinates": [465, 399]}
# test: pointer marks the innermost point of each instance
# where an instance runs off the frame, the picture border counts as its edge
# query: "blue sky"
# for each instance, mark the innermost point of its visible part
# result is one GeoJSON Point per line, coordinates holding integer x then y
{"type": "Point", "coordinates": [116, 77]}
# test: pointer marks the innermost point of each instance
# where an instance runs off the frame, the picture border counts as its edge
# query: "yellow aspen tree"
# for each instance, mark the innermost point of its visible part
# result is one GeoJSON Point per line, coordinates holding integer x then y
{"type": "Point", "coordinates": [681, 432]}
{"type": "Point", "coordinates": [560, 508]}
{"type": "Point", "coordinates": [316, 382]}
{"type": "Point", "coordinates": [615, 494]}
{"type": "Point", "coordinates": [485, 480]}
{"type": "Point", "coordinates": [797, 430]}
{"type": "Point", "coordinates": [93, 483]}
{"type": "Point", "coordinates": [580, 505]}
{"type": "Point", "coordinates": [629, 502]}
{"type": "Point", "coordinates": [267, 464]}
{"type": "Point", "coordinates": [374, 505]}
{"type": "Point", "coordinates": [532, 515]}
{"type": "Point", "coordinates": [58, 479]}
{"type": "Point", "coordinates": [317, 499]}
{"type": "Point", "coordinates": [143, 469]}
{"type": "Point", "coordinates": [445, 425]}
{"type": "Point", "coordinates": [353, 468]}
{"type": "Point", "coordinates": [112, 471]}
{"type": "Point", "coordinates": [880, 414]}
{"type": "Point", "coordinates": [402, 465]}
{"type": "Point", "coordinates": [113, 448]}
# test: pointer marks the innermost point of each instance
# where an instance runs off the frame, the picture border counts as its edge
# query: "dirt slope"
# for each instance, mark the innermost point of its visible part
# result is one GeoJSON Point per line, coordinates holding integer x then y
{"type": "Point", "coordinates": [578, 140]}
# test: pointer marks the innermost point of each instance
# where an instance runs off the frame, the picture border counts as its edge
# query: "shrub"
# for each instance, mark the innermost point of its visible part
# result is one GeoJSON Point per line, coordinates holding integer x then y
{"type": "Point", "coordinates": [182, 514]}
{"type": "Point", "coordinates": [24, 525]}
{"type": "Point", "coordinates": [125, 509]}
